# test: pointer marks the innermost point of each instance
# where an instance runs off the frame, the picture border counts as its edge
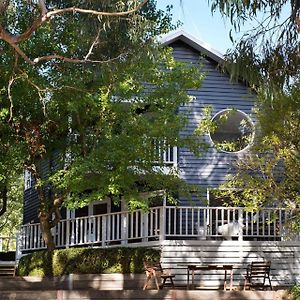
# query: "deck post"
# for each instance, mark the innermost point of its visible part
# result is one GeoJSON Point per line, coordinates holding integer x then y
{"type": "Point", "coordinates": [145, 225]}
{"type": "Point", "coordinates": [162, 223]}
{"type": "Point", "coordinates": [67, 233]}
{"type": "Point", "coordinates": [124, 228]}
{"type": "Point", "coordinates": [19, 243]}
{"type": "Point", "coordinates": [104, 219]}
{"type": "Point", "coordinates": [240, 220]}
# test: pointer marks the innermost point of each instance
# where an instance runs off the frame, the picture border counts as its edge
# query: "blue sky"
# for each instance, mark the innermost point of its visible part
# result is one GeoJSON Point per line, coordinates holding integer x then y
{"type": "Point", "coordinates": [198, 20]}
{"type": "Point", "coordinates": [211, 29]}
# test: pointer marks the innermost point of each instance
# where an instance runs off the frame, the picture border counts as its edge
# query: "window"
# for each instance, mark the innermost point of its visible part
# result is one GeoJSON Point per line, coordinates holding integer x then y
{"type": "Point", "coordinates": [27, 180]}
{"type": "Point", "coordinates": [232, 131]}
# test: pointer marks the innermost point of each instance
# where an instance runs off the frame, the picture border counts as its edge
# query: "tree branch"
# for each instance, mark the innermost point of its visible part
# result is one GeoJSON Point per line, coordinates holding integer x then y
{"type": "Point", "coordinates": [73, 60]}
{"type": "Point", "coordinates": [10, 83]}
{"type": "Point", "coordinates": [96, 41]}
{"type": "Point", "coordinates": [46, 15]}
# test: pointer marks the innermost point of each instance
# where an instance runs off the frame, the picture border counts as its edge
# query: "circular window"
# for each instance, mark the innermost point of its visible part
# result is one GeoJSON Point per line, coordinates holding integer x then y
{"type": "Point", "coordinates": [232, 130]}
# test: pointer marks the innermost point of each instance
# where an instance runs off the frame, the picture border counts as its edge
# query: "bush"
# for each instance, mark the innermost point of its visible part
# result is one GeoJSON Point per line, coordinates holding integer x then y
{"type": "Point", "coordinates": [295, 292]}
{"type": "Point", "coordinates": [36, 264]}
{"type": "Point", "coordinates": [86, 261]}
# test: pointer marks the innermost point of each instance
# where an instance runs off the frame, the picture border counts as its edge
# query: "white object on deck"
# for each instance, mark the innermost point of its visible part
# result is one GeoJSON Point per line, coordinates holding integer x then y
{"type": "Point", "coordinates": [230, 229]}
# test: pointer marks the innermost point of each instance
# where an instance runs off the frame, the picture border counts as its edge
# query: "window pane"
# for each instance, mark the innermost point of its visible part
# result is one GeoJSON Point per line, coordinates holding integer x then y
{"type": "Point", "coordinates": [232, 131]}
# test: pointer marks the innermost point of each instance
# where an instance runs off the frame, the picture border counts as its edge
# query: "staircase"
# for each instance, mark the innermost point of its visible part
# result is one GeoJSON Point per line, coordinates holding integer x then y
{"type": "Point", "coordinates": [7, 268]}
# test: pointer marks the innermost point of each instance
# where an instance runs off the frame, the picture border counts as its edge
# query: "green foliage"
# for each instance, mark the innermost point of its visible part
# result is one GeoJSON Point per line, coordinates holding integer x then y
{"type": "Point", "coordinates": [11, 220]}
{"type": "Point", "coordinates": [230, 130]}
{"type": "Point", "coordinates": [268, 52]}
{"type": "Point", "coordinates": [100, 114]}
{"type": "Point", "coordinates": [295, 292]}
{"type": "Point", "coordinates": [269, 174]}
{"type": "Point", "coordinates": [36, 264]}
{"type": "Point", "coordinates": [86, 261]}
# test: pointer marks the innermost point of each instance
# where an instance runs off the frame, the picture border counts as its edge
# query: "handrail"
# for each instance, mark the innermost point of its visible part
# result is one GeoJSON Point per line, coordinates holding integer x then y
{"type": "Point", "coordinates": [164, 222]}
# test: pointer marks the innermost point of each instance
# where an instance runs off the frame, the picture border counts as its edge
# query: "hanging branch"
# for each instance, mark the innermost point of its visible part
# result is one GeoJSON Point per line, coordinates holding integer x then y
{"type": "Point", "coordinates": [44, 17]}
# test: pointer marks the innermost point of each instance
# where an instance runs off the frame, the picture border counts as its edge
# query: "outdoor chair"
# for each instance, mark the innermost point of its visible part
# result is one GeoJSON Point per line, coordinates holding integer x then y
{"type": "Point", "coordinates": [258, 275]}
{"type": "Point", "coordinates": [155, 271]}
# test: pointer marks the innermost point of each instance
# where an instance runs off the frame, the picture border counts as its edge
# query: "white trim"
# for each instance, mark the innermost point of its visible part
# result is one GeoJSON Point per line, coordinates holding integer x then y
{"type": "Point", "coordinates": [250, 121]}
{"type": "Point", "coordinates": [28, 180]}
{"type": "Point", "coordinates": [194, 43]}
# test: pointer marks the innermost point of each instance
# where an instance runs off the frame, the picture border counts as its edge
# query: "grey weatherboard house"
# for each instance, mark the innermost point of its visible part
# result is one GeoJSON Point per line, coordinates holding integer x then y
{"type": "Point", "coordinates": [186, 234]}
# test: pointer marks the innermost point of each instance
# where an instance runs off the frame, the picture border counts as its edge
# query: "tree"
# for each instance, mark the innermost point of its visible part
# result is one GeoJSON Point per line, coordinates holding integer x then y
{"type": "Point", "coordinates": [11, 220]}
{"type": "Point", "coordinates": [86, 109]}
{"type": "Point", "coordinates": [267, 57]}
{"type": "Point", "coordinates": [269, 174]}
{"type": "Point", "coordinates": [268, 53]}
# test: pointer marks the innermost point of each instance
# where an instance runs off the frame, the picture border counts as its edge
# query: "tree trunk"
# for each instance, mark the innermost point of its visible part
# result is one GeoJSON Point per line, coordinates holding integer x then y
{"type": "Point", "coordinates": [3, 195]}
{"type": "Point", "coordinates": [45, 220]}
{"type": "Point", "coordinates": [46, 231]}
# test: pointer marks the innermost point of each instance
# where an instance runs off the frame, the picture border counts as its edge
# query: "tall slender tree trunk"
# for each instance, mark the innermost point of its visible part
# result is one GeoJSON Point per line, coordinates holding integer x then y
{"type": "Point", "coordinates": [45, 220]}
{"type": "Point", "coordinates": [45, 224]}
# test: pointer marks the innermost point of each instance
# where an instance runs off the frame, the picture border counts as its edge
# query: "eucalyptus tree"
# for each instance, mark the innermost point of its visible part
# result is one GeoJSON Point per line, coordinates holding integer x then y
{"type": "Point", "coordinates": [268, 176]}
{"type": "Point", "coordinates": [267, 56]}
{"type": "Point", "coordinates": [268, 51]}
{"type": "Point", "coordinates": [88, 92]}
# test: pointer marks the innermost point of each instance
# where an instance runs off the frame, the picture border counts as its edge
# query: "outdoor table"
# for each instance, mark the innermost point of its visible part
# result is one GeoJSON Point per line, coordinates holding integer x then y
{"type": "Point", "coordinates": [225, 268]}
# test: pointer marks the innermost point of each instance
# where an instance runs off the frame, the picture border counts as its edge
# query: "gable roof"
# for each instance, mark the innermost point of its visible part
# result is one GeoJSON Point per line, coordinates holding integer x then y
{"type": "Point", "coordinates": [193, 42]}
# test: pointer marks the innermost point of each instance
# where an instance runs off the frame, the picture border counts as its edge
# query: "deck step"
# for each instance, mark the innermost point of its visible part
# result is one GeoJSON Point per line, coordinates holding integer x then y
{"type": "Point", "coordinates": [7, 269]}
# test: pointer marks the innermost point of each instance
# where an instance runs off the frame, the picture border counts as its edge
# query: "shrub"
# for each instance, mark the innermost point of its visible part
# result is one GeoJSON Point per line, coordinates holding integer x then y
{"type": "Point", "coordinates": [295, 292]}
{"type": "Point", "coordinates": [86, 261]}
{"type": "Point", "coordinates": [36, 264]}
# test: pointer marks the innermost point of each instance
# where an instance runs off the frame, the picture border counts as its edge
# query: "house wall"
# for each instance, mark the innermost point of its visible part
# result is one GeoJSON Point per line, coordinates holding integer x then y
{"type": "Point", "coordinates": [31, 201]}
{"type": "Point", "coordinates": [211, 168]}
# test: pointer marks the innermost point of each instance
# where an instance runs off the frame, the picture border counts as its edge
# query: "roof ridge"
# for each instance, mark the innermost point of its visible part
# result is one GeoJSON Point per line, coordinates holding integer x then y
{"type": "Point", "coordinates": [192, 41]}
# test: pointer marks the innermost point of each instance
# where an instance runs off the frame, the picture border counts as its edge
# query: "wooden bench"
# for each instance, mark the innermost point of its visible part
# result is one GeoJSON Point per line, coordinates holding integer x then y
{"type": "Point", "coordinates": [258, 275]}
{"type": "Point", "coordinates": [155, 271]}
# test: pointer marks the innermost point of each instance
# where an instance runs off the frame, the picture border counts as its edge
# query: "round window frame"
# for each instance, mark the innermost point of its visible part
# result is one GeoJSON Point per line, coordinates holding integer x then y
{"type": "Point", "coordinates": [246, 117]}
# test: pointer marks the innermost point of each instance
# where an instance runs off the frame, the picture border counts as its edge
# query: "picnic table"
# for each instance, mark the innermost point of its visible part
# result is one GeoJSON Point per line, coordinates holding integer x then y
{"type": "Point", "coordinates": [191, 269]}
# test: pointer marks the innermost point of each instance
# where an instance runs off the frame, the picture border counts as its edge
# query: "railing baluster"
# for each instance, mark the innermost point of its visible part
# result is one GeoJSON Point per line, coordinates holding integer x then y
{"type": "Point", "coordinates": [180, 221]}
{"type": "Point", "coordinates": [136, 224]}
{"type": "Point", "coordinates": [176, 225]}
{"type": "Point", "coordinates": [104, 233]}
{"type": "Point", "coordinates": [269, 223]}
{"type": "Point", "coordinates": [193, 222]}
{"type": "Point", "coordinates": [98, 229]}
{"type": "Point", "coordinates": [263, 222]}
{"type": "Point", "coordinates": [240, 221]}
{"type": "Point", "coordinates": [280, 224]}
{"type": "Point", "coordinates": [162, 222]}
{"type": "Point", "coordinates": [186, 215]}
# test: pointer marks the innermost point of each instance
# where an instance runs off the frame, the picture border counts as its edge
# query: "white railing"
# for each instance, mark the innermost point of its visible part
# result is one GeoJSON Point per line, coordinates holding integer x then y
{"type": "Point", "coordinates": [161, 223]}
{"type": "Point", "coordinates": [164, 154]}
